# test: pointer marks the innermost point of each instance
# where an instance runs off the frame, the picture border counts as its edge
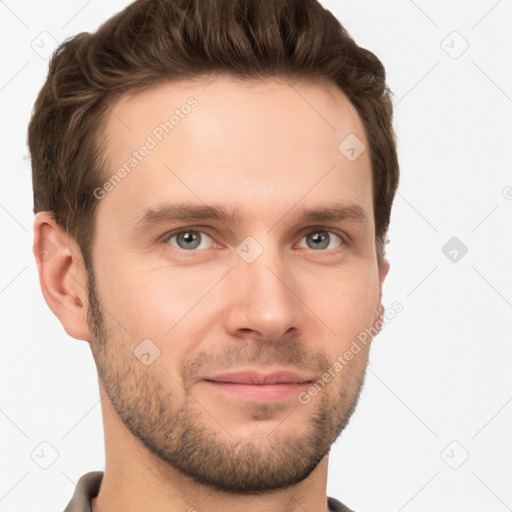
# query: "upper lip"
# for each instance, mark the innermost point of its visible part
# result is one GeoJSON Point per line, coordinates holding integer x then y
{"type": "Point", "coordinates": [260, 377]}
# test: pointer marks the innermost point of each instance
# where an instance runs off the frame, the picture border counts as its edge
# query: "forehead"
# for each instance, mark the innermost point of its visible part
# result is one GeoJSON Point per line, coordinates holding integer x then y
{"type": "Point", "coordinates": [259, 146]}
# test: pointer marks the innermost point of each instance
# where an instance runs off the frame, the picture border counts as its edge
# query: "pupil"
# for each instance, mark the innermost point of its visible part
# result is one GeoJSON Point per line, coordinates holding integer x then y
{"type": "Point", "coordinates": [189, 238]}
{"type": "Point", "coordinates": [320, 239]}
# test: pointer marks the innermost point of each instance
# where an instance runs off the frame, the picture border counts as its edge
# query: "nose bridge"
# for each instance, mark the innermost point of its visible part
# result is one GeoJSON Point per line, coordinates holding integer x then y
{"type": "Point", "coordinates": [264, 300]}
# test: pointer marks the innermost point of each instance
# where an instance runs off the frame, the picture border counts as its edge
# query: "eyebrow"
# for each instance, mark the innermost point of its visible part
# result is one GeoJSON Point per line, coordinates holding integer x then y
{"type": "Point", "coordinates": [190, 212]}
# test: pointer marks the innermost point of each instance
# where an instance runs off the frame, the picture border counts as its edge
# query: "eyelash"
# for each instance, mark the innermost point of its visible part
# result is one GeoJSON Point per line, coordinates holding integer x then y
{"type": "Point", "coordinates": [201, 229]}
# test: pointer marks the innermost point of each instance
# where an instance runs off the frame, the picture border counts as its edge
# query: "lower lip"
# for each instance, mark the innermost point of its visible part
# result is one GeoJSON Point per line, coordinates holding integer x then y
{"type": "Point", "coordinates": [259, 392]}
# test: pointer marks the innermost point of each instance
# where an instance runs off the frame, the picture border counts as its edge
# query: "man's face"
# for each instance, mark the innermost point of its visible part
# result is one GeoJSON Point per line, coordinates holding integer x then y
{"type": "Point", "coordinates": [177, 302]}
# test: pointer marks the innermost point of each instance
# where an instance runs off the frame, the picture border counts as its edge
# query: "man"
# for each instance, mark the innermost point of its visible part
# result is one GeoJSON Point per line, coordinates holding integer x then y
{"type": "Point", "coordinates": [213, 184]}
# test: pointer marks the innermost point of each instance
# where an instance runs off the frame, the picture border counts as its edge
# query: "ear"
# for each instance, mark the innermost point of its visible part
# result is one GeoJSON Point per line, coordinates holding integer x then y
{"type": "Point", "coordinates": [62, 275]}
{"type": "Point", "coordinates": [383, 265]}
{"type": "Point", "coordinates": [383, 272]}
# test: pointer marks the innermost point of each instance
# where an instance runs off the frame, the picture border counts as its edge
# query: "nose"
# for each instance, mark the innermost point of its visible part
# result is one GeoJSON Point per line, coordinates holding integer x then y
{"type": "Point", "coordinates": [264, 303]}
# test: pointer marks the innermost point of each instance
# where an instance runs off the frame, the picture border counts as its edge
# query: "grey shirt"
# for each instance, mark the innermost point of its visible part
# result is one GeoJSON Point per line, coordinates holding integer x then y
{"type": "Point", "coordinates": [89, 484]}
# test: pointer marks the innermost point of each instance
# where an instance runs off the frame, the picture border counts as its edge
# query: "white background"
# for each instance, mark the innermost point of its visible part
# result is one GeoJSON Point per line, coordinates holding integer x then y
{"type": "Point", "coordinates": [439, 388]}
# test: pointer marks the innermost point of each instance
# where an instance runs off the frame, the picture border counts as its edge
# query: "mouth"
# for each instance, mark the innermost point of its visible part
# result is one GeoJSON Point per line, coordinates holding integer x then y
{"type": "Point", "coordinates": [258, 386]}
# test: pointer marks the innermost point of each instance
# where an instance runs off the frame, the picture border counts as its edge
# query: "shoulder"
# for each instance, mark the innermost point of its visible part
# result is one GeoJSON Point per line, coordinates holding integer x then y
{"type": "Point", "coordinates": [86, 488]}
{"type": "Point", "coordinates": [336, 506]}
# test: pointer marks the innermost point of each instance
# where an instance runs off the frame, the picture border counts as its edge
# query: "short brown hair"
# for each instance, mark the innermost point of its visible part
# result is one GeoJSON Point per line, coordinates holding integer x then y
{"type": "Point", "coordinates": [154, 41]}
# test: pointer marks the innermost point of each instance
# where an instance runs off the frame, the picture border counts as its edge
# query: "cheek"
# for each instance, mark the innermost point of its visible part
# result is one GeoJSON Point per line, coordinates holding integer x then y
{"type": "Point", "coordinates": [163, 301]}
{"type": "Point", "coordinates": [148, 302]}
{"type": "Point", "coordinates": [346, 303]}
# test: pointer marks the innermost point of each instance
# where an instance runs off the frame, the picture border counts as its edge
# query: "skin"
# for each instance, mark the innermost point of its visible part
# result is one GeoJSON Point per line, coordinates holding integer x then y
{"type": "Point", "coordinates": [269, 148]}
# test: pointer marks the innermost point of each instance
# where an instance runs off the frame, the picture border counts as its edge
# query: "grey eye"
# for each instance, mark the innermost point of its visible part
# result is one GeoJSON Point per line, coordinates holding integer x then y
{"type": "Point", "coordinates": [189, 240]}
{"type": "Point", "coordinates": [318, 240]}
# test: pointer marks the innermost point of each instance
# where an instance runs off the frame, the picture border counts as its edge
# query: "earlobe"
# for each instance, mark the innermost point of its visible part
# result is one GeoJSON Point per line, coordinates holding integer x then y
{"type": "Point", "coordinates": [62, 275]}
{"type": "Point", "coordinates": [383, 265]}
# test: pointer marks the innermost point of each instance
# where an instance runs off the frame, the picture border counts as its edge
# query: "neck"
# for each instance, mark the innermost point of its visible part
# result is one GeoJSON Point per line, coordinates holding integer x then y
{"type": "Point", "coordinates": [138, 487]}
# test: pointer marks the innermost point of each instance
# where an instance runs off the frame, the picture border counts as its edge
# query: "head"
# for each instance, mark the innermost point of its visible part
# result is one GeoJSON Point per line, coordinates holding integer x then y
{"type": "Point", "coordinates": [176, 153]}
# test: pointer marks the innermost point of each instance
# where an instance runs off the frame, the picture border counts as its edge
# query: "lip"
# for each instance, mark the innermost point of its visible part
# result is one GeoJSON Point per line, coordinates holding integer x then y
{"type": "Point", "coordinates": [257, 386]}
{"type": "Point", "coordinates": [258, 377]}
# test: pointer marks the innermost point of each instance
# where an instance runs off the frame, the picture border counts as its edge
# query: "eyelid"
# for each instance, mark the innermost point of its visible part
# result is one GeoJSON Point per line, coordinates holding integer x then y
{"type": "Point", "coordinates": [342, 234]}
{"type": "Point", "coordinates": [302, 232]}
{"type": "Point", "coordinates": [201, 229]}
{"type": "Point", "coordinates": [183, 229]}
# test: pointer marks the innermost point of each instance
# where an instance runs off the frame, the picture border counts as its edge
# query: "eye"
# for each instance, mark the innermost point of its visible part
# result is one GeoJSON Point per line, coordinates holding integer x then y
{"type": "Point", "coordinates": [189, 239]}
{"type": "Point", "coordinates": [321, 239]}
{"type": "Point", "coordinates": [192, 239]}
